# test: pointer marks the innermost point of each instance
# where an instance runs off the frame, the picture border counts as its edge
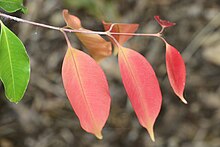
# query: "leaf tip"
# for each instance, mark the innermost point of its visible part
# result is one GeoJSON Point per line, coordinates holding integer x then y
{"type": "Point", "coordinates": [183, 99]}
{"type": "Point", "coordinates": [103, 22]}
{"type": "Point", "coordinates": [152, 137]}
{"type": "Point", "coordinates": [99, 135]}
{"type": "Point", "coordinates": [151, 133]}
{"type": "Point", "coordinates": [14, 100]}
{"type": "Point", "coordinates": [71, 20]}
{"type": "Point", "coordinates": [150, 130]}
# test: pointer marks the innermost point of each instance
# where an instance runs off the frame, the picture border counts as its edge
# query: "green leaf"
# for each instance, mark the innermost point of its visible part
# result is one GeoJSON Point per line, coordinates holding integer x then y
{"type": "Point", "coordinates": [14, 65]}
{"type": "Point", "coordinates": [11, 6]}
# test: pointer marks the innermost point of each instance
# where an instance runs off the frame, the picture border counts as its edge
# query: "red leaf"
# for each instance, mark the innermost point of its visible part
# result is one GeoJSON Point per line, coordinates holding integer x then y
{"type": "Point", "coordinates": [120, 28]}
{"type": "Point", "coordinates": [176, 71]}
{"type": "Point", "coordinates": [87, 89]}
{"type": "Point", "coordinates": [97, 47]}
{"type": "Point", "coordinates": [164, 23]}
{"type": "Point", "coordinates": [142, 87]}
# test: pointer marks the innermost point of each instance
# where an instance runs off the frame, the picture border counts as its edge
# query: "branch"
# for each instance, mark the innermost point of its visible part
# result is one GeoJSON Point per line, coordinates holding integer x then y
{"type": "Point", "coordinates": [49, 26]}
{"type": "Point", "coordinates": [73, 30]}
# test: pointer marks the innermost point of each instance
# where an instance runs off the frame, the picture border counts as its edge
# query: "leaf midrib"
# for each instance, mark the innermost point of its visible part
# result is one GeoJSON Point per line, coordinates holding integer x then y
{"type": "Point", "coordinates": [10, 62]}
{"type": "Point", "coordinates": [174, 85]}
{"type": "Point", "coordinates": [133, 77]}
{"type": "Point", "coordinates": [82, 89]}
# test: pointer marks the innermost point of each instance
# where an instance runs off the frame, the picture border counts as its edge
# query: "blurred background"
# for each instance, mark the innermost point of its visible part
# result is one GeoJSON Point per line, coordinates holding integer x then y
{"type": "Point", "coordinates": [44, 118]}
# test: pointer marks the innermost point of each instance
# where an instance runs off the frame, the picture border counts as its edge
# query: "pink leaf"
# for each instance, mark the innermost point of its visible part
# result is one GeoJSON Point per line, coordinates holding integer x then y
{"type": "Point", "coordinates": [164, 23]}
{"type": "Point", "coordinates": [176, 71]}
{"type": "Point", "coordinates": [142, 87]}
{"type": "Point", "coordinates": [87, 89]}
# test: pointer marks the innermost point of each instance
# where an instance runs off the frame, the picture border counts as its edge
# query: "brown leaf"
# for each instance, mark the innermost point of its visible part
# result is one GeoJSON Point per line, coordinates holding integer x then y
{"type": "Point", "coordinates": [97, 47]}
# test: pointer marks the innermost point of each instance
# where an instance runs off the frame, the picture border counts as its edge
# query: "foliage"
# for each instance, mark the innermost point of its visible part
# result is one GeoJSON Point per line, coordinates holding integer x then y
{"type": "Point", "coordinates": [15, 66]}
{"type": "Point", "coordinates": [85, 82]}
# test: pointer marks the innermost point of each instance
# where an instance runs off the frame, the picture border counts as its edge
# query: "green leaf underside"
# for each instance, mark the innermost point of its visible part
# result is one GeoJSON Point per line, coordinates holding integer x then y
{"type": "Point", "coordinates": [11, 6]}
{"type": "Point", "coordinates": [14, 65]}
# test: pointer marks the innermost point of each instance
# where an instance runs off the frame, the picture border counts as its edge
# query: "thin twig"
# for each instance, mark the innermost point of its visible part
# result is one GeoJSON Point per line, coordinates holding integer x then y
{"type": "Point", "coordinates": [49, 26]}
{"type": "Point", "coordinates": [113, 38]}
{"type": "Point", "coordinates": [73, 30]}
{"type": "Point", "coordinates": [67, 39]}
{"type": "Point", "coordinates": [136, 34]}
{"type": "Point", "coordinates": [111, 27]}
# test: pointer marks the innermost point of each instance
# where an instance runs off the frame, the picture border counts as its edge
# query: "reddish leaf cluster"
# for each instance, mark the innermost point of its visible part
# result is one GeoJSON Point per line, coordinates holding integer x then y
{"type": "Point", "coordinates": [164, 23]}
{"type": "Point", "coordinates": [86, 85]}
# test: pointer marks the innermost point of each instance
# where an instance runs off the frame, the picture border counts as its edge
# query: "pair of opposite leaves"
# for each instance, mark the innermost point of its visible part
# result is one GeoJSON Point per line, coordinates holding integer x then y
{"type": "Point", "coordinates": [86, 85]}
